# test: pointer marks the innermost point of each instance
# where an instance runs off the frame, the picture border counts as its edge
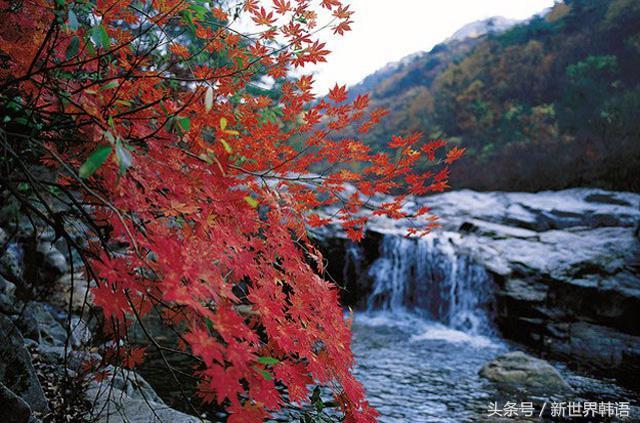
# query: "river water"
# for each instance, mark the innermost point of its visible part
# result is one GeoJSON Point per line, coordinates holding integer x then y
{"type": "Point", "coordinates": [420, 371]}
{"type": "Point", "coordinates": [427, 331]}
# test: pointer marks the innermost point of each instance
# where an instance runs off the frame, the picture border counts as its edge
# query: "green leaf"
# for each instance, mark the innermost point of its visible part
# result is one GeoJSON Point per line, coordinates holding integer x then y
{"type": "Point", "coordinates": [187, 17]}
{"type": "Point", "coordinates": [100, 36]}
{"type": "Point", "coordinates": [268, 360]}
{"type": "Point", "coordinates": [316, 400]}
{"type": "Point", "coordinates": [110, 85]}
{"type": "Point", "coordinates": [72, 21]}
{"type": "Point", "coordinates": [90, 47]}
{"type": "Point", "coordinates": [209, 324]}
{"type": "Point", "coordinates": [200, 11]}
{"type": "Point", "coordinates": [95, 160]}
{"type": "Point", "coordinates": [223, 123]}
{"type": "Point", "coordinates": [72, 48]}
{"type": "Point", "coordinates": [265, 374]}
{"type": "Point", "coordinates": [226, 146]}
{"type": "Point", "coordinates": [184, 123]}
{"type": "Point", "coordinates": [251, 201]}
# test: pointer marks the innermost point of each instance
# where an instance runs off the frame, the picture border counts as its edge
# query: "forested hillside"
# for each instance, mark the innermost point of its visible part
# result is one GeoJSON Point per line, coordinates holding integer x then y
{"type": "Point", "coordinates": [550, 103]}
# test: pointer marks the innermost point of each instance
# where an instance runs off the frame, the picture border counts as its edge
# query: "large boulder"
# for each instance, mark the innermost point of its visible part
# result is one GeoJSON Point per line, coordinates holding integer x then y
{"type": "Point", "coordinates": [520, 370]}
{"type": "Point", "coordinates": [125, 397]}
{"type": "Point", "coordinates": [38, 323]}
{"type": "Point", "coordinates": [11, 257]}
{"type": "Point", "coordinates": [53, 261]}
{"type": "Point", "coordinates": [16, 370]}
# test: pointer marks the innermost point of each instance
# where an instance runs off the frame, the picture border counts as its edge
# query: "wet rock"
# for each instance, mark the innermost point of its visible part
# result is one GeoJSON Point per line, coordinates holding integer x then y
{"type": "Point", "coordinates": [517, 369]}
{"type": "Point", "coordinates": [11, 262]}
{"type": "Point", "coordinates": [80, 332]}
{"type": "Point", "coordinates": [13, 409]}
{"type": "Point", "coordinates": [53, 260]}
{"type": "Point", "coordinates": [609, 351]}
{"type": "Point", "coordinates": [37, 323]}
{"type": "Point", "coordinates": [72, 289]}
{"type": "Point", "coordinates": [540, 211]}
{"type": "Point", "coordinates": [50, 354]}
{"type": "Point", "coordinates": [16, 370]}
{"type": "Point", "coordinates": [6, 305]}
{"type": "Point", "coordinates": [7, 298]}
{"type": "Point", "coordinates": [132, 384]}
{"type": "Point", "coordinates": [606, 198]}
{"type": "Point", "coordinates": [7, 288]}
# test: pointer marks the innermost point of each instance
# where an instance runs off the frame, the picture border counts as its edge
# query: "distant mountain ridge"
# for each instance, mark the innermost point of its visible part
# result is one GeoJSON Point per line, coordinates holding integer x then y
{"type": "Point", "coordinates": [551, 102]}
{"type": "Point", "coordinates": [494, 24]}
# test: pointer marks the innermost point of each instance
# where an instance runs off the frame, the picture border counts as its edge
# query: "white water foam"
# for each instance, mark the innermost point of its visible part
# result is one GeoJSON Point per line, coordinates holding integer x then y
{"type": "Point", "coordinates": [430, 278]}
{"type": "Point", "coordinates": [419, 329]}
{"type": "Point", "coordinates": [443, 333]}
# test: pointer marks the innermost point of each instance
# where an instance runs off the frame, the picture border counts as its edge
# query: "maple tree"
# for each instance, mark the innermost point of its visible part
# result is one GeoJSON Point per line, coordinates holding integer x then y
{"type": "Point", "coordinates": [199, 180]}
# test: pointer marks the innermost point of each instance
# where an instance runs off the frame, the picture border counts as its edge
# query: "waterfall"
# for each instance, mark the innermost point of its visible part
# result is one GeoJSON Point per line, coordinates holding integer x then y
{"type": "Point", "coordinates": [427, 276]}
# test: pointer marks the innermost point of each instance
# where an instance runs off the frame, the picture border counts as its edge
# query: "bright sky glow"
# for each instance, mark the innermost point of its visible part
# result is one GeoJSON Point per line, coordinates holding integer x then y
{"type": "Point", "coordinates": [385, 31]}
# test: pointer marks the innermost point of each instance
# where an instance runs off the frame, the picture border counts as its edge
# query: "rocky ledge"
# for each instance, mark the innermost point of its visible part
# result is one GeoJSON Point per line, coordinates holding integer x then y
{"type": "Point", "coordinates": [566, 266]}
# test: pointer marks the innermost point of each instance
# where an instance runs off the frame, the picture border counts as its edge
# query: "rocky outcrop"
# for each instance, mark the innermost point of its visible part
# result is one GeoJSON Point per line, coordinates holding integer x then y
{"type": "Point", "coordinates": [44, 349]}
{"type": "Point", "coordinates": [566, 265]}
{"type": "Point", "coordinates": [16, 370]}
{"type": "Point", "coordinates": [522, 371]}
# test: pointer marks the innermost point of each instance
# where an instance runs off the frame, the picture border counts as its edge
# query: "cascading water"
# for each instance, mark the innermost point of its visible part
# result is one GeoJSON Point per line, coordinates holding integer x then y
{"type": "Point", "coordinates": [427, 329]}
{"type": "Point", "coordinates": [428, 277]}
{"type": "Point", "coordinates": [426, 332]}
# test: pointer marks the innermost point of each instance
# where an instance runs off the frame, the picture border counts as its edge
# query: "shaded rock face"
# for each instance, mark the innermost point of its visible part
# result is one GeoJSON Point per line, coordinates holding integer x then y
{"type": "Point", "coordinates": [16, 370]}
{"type": "Point", "coordinates": [519, 370]}
{"type": "Point", "coordinates": [348, 263]}
{"type": "Point", "coordinates": [13, 409]}
{"type": "Point", "coordinates": [565, 266]}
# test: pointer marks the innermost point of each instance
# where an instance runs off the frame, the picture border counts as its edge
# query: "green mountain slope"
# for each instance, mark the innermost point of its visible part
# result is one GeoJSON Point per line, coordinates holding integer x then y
{"type": "Point", "coordinates": [548, 104]}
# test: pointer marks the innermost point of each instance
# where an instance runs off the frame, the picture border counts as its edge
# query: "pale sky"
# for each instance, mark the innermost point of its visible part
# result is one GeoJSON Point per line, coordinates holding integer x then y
{"type": "Point", "coordinates": [385, 31]}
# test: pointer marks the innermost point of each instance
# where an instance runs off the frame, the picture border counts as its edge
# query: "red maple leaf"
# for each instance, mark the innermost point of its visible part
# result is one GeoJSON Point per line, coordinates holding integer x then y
{"type": "Point", "coordinates": [454, 154]}
{"type": "Point", "coordinates": [338, 93]}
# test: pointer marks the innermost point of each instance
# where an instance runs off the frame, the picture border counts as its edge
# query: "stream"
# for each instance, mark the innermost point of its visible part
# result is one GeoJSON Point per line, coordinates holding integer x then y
{"type": "Point", "coordinates": [427, 331]}
{"type": "Point", "coordinates": [418, 371]}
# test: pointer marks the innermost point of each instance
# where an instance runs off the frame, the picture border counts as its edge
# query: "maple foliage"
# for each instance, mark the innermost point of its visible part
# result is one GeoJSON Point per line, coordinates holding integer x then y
{"type": "Point", "coordinates": [153, 111]}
